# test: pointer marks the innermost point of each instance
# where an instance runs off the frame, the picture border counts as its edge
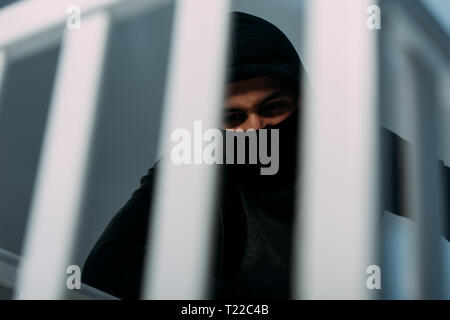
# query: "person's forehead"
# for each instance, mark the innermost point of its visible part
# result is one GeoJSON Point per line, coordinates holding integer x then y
{"type": "Point", "coordinates": [261, 84]}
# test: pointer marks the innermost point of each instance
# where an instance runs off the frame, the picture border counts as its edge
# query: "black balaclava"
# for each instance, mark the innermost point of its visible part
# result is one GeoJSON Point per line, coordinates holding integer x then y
{"type": "Point", "coordinates": [258, 48]}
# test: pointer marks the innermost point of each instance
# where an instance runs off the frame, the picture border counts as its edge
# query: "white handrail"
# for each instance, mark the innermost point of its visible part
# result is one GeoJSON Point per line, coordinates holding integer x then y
{"type": "Point", "coordinates": [29, 25]}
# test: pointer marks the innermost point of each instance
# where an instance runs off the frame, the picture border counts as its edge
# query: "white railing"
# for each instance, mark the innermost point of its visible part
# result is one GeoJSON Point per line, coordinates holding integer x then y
{"type": "Point", "coordinates": [62, 170]}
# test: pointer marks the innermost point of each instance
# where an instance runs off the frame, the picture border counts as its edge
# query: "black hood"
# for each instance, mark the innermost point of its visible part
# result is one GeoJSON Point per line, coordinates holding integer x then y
{"type": "Point", "coordinates": [258, 48]}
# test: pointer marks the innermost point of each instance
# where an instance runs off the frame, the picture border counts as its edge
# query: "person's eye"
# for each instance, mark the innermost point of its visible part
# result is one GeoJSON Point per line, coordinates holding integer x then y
{"type": "Point", "coordinates": [274, 109]}
{"type": "Point", "coordinates": [234, 119]}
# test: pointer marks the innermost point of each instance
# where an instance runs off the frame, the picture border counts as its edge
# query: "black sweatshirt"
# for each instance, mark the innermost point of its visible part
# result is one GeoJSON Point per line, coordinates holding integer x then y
{"type": "Point", "coordinates": [253, 236]}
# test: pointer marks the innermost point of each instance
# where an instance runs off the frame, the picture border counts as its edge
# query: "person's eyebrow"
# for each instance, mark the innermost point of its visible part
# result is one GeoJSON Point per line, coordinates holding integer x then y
{"type": "Point", "coordinates": [272, 96]}
{"type": "Point", "coordinates": [233, 109]}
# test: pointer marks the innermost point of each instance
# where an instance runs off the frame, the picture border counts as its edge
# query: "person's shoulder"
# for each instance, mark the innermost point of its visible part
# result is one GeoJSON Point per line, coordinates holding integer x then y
{"type": "Point", "coordinates": [147, 180]}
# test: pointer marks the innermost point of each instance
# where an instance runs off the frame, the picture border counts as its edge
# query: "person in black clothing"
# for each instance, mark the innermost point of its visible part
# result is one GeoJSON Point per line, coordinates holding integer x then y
{"type": "Point", "coordinates": [254, 212]}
